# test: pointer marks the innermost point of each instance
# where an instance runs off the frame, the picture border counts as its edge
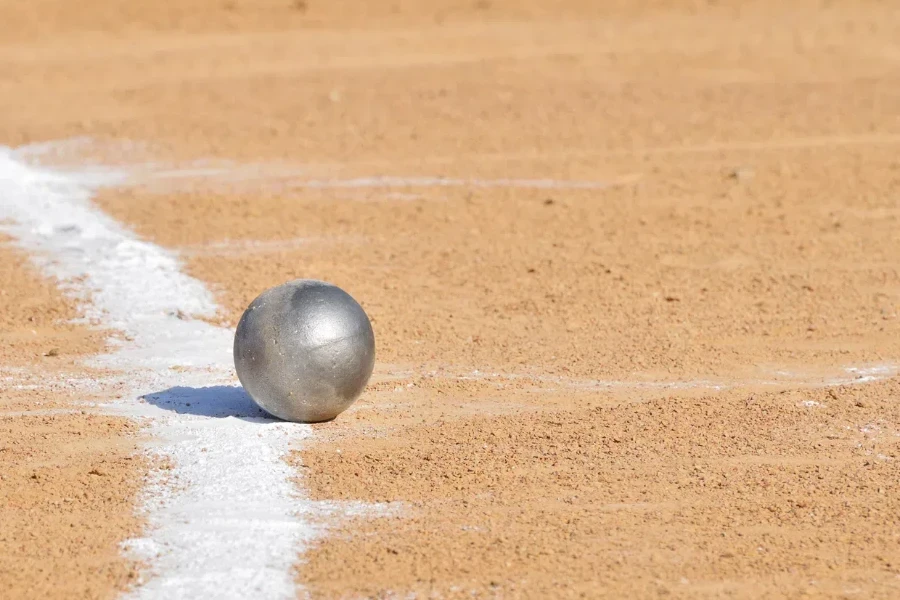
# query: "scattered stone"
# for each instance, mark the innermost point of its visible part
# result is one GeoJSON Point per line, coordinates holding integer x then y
{"type": "Point", "coordinates": [741, 174]}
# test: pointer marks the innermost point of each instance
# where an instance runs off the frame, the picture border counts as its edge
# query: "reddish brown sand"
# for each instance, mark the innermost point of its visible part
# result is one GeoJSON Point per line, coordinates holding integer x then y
{"type": "Point", "coordinates": [747, 234]}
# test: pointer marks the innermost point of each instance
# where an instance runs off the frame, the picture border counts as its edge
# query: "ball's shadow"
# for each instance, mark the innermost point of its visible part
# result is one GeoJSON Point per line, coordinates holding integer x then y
{"type": "Point", "coordinates": [218, 401]}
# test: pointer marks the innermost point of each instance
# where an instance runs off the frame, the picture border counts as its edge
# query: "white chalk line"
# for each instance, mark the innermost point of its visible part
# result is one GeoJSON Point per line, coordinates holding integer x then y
{"type": "Point", "coordinates": [849, 375]}
{"type": "Point", "coordinates": [286, 179]}
{"type": "Point", "coordinates": [136, 168]}
{"type": "Point", "coordinates": [231, 400]}
{"type": "Point", "coordinates": [239, 248]}
{"type": "Point", "coordinates": [283, 180]}
{"type": "Point", "coordinates": [226, 521]}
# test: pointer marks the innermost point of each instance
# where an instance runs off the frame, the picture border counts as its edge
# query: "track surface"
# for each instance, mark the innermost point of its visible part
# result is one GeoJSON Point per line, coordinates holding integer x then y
{"type": "Point", "coordinates": [632, 269]}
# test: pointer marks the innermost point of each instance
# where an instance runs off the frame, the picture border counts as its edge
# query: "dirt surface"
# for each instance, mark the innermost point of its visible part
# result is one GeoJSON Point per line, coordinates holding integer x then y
{"type": "Point", "coordinates": [740, 494]}
{"type": "Point", "coordinates": [36, 328]}
{"type": "Point", "coordinates": [734, 225]}
{"type": "Point", "coordinates": [67, 493]}
{"type": "Point", "coordinates": [68, 477]}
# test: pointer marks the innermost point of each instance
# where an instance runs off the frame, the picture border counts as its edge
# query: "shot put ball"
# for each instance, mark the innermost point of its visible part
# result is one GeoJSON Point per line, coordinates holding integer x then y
{"type": "Point", "coordinates": [304, 351]}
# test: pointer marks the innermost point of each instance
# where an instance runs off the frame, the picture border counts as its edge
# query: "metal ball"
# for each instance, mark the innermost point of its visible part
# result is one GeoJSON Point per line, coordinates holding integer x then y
{"type": "Point", "coordinates": [304, 351]}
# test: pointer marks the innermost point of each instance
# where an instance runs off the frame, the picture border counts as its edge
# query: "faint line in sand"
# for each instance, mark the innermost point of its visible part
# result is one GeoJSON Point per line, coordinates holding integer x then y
{"type": "Point", "coordinates": [788, 143]}
{"type": "Point", "coordinates": [849, 375]}
{"type": "Point", "coordinates": [238, 248]}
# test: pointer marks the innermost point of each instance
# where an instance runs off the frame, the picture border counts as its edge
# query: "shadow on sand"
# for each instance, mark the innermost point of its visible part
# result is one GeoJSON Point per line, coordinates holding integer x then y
{"type": "Point", "coordinates": [218, 401]}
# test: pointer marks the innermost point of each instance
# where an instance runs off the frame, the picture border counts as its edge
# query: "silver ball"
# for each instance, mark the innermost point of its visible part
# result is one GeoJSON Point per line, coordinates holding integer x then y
{"type": "Point", "coordinates": [304, 351]}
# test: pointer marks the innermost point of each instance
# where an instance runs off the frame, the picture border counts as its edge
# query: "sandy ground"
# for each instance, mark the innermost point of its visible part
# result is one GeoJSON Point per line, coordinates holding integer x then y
{"type": "Point", "coordinates": [69, 477]}
{"type": "Point", "coordinates": [739, 231]}
{"type": "Point", "coordinates": [36, 328]}
{"type": "Point", "coordinates": [777, 494]}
